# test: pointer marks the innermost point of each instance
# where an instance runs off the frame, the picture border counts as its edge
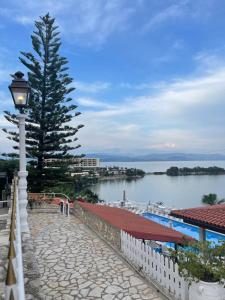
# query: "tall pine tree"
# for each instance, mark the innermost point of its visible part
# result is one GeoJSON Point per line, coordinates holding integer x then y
{"type": "Point", "coordinates": [49, 133]}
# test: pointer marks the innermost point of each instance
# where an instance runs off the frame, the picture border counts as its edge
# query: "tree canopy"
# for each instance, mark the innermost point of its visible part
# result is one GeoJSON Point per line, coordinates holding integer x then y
{"type": "Point", "coordinates": [211, 199]}
{"type": "Point", "coordinates": [50, 133]}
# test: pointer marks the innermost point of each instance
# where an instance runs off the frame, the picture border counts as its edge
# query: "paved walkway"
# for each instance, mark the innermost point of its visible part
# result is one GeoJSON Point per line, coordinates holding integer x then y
{"type": "Point", "coordinates": [76, 264]}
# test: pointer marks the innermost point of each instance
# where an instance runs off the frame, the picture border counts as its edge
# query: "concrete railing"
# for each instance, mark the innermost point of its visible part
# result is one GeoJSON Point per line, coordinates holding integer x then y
{"type": "Point", "coordinates": [157, 268]}
{"type": "Point", "coordinates": [48, 200]}
{"type": "Point", "coordinates": [5, 203]}
{"type": "Point", "coordinates": [14, 284]}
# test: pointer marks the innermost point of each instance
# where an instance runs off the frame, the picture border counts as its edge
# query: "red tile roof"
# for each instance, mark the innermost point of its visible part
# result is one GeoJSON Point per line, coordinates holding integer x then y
{"type": "Point", "coordinates": [135, 225]}
{"type": "Point", "coordinates": [211, 216]}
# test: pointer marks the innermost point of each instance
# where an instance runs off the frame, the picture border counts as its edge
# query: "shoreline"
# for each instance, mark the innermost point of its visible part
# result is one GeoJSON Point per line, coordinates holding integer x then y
{"type": "Point", "coordinates": [116, 177]}
{"type": "Point", "coordinates": [105, 178]}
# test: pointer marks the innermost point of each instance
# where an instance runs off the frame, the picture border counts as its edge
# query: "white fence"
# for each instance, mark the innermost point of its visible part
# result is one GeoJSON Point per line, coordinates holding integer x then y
{"type": "Point", "coordinates": [157, 267]}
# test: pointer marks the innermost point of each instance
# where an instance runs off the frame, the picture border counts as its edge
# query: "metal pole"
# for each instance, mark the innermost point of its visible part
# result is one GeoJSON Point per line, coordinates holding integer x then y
{"type": "Point", "coordinates": [22, 186]}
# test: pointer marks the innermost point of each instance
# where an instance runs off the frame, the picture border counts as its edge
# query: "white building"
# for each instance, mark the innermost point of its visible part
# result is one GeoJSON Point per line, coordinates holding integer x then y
{"type": "Point", "coordinates": [83, 162]}
{"type": "Point", "coordinates": [86, 162]}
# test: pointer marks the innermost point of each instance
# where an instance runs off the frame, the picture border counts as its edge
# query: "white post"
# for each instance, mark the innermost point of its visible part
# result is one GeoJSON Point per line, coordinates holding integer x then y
{"type": "Point", "coordinates": [20, 274]}
{"type": "Point", "coordinates": [22, 187]}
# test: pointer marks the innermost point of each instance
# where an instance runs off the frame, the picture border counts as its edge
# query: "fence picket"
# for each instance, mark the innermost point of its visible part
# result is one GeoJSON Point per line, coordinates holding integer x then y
{"type": "Point", "coordinates": [155, 266]}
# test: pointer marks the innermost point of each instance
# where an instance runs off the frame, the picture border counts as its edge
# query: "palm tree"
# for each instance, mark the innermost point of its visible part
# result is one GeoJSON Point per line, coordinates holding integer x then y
{"type": "Point", "coordinates": [211, 199]}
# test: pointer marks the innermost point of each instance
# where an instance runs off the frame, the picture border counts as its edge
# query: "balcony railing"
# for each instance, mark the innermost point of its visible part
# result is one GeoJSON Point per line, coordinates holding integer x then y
{"type": "Point", "coordinates": [49, 200]}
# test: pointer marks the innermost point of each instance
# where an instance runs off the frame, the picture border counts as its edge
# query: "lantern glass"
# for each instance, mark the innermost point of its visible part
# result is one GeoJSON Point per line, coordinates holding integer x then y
{"type": "Point", "coordinates": [20, 90]}
{"type": "Point", "coordinates": [20, 96]}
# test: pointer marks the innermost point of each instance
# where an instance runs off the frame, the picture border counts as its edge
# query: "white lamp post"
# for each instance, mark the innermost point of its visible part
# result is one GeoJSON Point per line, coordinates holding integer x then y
{"type": "Point", "coordinates": [20, 91]}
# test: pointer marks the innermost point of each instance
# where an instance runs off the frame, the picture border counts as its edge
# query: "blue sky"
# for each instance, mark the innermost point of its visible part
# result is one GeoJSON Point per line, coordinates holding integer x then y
{"type": "Point", "coordinates": [149, 74]}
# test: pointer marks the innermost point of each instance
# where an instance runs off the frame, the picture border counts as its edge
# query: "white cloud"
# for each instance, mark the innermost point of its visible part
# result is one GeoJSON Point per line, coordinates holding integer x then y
{"type": "Point", "coordinates": [91, 87]}
{"type": "Point", "coordinates": [185, 115]}
{"type": "Point", "coordinates": [197, 10]}
{"type": "Point", "coordinates": [170, 12]}
{"type": "Point", "coordinates": [89, 102]}
{"type": "Point", "coordinates": [144, 85]}
{"type": "Point", "coordinates": [210, 60]}
{"type": "Point", "coordinates": [5, 144]}
{"type": "Point", "coordinates": [181, 116]}
{"type": "Point", "coordinates": [90, 22]}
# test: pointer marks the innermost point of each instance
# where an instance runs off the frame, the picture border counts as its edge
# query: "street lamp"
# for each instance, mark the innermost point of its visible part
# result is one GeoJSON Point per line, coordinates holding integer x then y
{"type": "Point", "coordinates": [20, 91]}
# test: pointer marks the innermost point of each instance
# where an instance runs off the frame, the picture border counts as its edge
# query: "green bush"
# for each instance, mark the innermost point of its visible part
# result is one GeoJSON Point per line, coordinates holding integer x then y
{"type": "Point", "coordinates": [201, 261]}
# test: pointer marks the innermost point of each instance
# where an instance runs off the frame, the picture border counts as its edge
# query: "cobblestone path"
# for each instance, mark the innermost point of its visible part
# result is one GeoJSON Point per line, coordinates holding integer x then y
{"type": "Point", "coordinates": [76, 264]}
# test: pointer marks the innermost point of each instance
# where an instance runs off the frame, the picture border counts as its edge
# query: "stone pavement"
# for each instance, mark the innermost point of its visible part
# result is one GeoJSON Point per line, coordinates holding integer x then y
{"type": "Point", "coordinates": [75, 264]}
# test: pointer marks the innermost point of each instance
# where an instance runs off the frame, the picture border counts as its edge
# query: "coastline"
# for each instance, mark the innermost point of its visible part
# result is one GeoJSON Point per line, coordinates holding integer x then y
{"type": "Point", "coordinates": [115, 177]}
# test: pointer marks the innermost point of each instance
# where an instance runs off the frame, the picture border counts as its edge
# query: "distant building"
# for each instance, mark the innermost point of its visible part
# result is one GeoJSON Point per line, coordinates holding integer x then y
{"type": "Point", "coordinates": [87, 162]}
{"type": "Point", "coordinates": [82, 174]}
{"type": "Point", "coordinates": [83, 162]}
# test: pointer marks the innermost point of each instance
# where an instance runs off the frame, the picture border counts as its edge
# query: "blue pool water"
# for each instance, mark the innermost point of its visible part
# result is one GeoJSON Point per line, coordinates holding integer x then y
{"type": "Point", "coordinates": [185, 228]}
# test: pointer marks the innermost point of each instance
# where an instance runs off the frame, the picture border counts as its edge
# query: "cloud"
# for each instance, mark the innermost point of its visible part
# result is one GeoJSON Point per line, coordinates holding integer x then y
{"type": "Point", "coordinates": [173, 11]}
{"type": "Point", "coordinates": [5, 144]}
{"type": "Point", "coordinates": [8, 64]}
{"type": "Point", "coordinates": [210, 60]}
{"type": "Point", "coordinates": [89, 22]}
{"type": "Point", "coordinates": [88, 102]}
{"type": "Point", "coordinates": [143, 85]}
{"type": "Point", "coordinates": [185, 115]}
{"type": "Point", "coordinates": [197, 10]}
{"type": "Point", "coordinates": [93, 87]}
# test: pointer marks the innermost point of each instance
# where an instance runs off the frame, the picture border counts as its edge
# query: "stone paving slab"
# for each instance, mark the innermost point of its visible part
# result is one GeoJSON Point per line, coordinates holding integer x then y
{"type": "Point", "coordinates": [75, 264]}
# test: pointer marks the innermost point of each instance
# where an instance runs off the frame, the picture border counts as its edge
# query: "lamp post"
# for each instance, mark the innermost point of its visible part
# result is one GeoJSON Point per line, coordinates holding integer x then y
{"type": "Point", "coordinates": [20, 91]}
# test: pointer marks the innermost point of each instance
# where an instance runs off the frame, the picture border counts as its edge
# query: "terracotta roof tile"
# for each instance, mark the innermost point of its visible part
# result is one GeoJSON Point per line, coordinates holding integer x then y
{"type": "Point", "coordinates": [210, 216]}
{"type": "Point", "coordinates": [135, 225]}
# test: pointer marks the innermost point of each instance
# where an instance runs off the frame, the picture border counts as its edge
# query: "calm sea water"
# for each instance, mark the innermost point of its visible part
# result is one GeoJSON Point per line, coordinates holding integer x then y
{"type": "Point", "coordinates": [176, 192]}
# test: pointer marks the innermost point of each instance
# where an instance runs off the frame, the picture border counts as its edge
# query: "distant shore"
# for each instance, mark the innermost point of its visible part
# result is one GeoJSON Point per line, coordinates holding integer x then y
{"type": "Point", "coordinates": [172, 171]}
{"type": "Point", "coordinates": [115, 177]}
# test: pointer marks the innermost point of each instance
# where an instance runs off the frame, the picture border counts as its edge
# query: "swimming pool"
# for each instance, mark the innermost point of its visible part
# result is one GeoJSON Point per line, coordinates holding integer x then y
{"type": "Point", "coordinates": [185, 228]}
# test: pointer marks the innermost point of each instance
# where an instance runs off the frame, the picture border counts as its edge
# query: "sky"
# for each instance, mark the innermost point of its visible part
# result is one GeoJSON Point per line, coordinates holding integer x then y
{"type": "Point", "coordinates": [149, 74]}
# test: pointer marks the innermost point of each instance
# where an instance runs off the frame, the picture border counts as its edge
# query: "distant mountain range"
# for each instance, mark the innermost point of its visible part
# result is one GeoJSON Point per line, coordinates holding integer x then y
{"type": "Point", "coordinates": [157, 157]}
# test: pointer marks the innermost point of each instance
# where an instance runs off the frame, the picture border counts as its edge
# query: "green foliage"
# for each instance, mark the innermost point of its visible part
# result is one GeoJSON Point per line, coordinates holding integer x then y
{"type": "Point", "coordinates": [174, 171]}
{"type": "Point", "coordinates": [9, 166]}
{"type": "Point", "coordinates": [211, 199]}
{"type": "Point", "coordinates": [89, 196]}
{"type": "Point", "coordinates": [134, 172]}
{"type": "Point", "coordinates": [201, 261]}
{"type": "Point", "coordinates": [66, 188]}
{"type": "Point", "coordinates": [48, 125]}
{"type": "Point", "coordinates": [73, 187]}
{"type": "Point", "coordinates": [81, 183]}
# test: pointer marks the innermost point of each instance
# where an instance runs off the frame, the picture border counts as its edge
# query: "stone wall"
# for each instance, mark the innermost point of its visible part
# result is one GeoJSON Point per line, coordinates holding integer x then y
{"type": "Point", "coordinates": [110, 233]}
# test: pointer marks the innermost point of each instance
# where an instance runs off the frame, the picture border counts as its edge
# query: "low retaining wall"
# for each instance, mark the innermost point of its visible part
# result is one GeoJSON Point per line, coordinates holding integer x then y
{"type": "Point", "coordinates": [101, 227]}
